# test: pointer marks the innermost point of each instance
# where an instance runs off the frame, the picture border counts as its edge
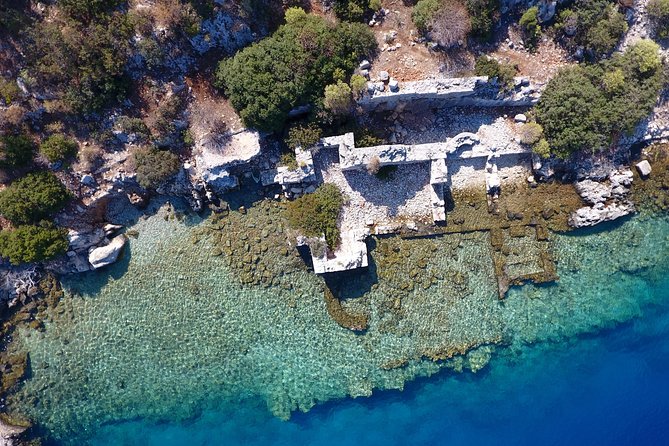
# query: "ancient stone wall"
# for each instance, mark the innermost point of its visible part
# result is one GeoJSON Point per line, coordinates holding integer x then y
{"type": "Point", "coordinates": [469, 91]}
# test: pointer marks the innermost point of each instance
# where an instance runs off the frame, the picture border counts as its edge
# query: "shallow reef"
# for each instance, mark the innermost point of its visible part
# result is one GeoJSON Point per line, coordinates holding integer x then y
{"type": "Point", "coordinates": [200, 313]}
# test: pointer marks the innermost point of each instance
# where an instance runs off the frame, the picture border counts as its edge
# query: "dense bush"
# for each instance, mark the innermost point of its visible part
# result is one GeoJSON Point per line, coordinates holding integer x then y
{"type": "Point", "coordinates": [33, 198]}
{"type": "Point", "coordinates": [292, 67]}
{"type": "Point", "coordinates": [529, 23]}
{"type": "Point", "coordinates": [58, 147]}
{"type": "Point", "coordinates": [83, 62]}
{"type": "Point", "coordinates": [304, 136]}
{"type": "Point", "coordinates": [483, 14]}
{"type": "Point", "coordinates": [153, 166]}
{"type": "Point", "coordinates": [85, 10]}
{"type": "Point", "coordinates": [595, 25]}
{"type": "Point", "coordinates": [588, 107]}
{"type": "Point", "coordinates": [32, 243]}
{"type": "Point", "coordinates": [658, 10]}
{"type": "Point", "coordinates": [503, 72]}
{"type": "Point", "coordinates": [15, 151]}
{"type": "Point", "coordinates": [316, 214]}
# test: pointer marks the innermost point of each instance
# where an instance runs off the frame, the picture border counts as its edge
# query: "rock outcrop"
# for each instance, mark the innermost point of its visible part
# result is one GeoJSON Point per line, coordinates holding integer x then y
{"type": "Point", "coordinates": [108, 254]}
{"type": "Point", "coordinates": [607, 200]}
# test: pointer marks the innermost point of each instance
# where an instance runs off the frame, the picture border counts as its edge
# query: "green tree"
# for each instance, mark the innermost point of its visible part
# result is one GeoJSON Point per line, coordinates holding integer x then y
{"type": "Point", "coordinates": [15, 151]}
{"type": "Point", "coordinates": [33, 198]}
{"type": "Point", "coordinates": [32, 243]}
{"type": "Point", "coordinates": [153, 166]}
{"type": "Point", "coordinates": [292, 67]}
{"type": "Point", "coordinates": [58, 147]}
{"type": "Point", "coordinates": [588, 107]}
{"type": "Point", "coordinates": [316, 214]}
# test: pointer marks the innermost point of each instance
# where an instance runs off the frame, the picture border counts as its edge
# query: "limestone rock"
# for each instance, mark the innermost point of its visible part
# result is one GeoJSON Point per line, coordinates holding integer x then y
{"type": "Point", "coordinates": [644, 168]}
{"type": "Point", "coordinates": [393, 85]}
{"type": "Point", "coordinates": [593, 192]}
{"type": "Point", "coordinates": [81, 241]}
{"type": "Point", "coordinates": [365, 65]}
{"type": "Point", "coordinates": [591, 216]}
{"type": "Point", "coordinates": [108, 254]}
{"type": "Point", "coordinates": [384, 76]}
{"type": "Point", "coordinates": [520, 118]}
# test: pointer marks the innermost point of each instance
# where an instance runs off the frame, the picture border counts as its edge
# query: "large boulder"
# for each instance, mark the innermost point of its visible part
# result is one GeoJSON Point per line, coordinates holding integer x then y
{"type": "Point", "coordinates": [83, 240]}
{"type": "Point", "coordinates": [108, 254]}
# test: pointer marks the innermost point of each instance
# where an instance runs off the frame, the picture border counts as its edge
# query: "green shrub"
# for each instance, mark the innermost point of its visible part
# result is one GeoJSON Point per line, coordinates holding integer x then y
{"type": "Point", "coordinates": [487, 66]}
{"type": "Point", "coordinates": [424, 13]}
{"type": "Point", "coordinates": [292, 67]}
{"type": "Point", "coordinates": [28, 243]}
{"type": "Point", "coordinates": [153, 166]}
{"type": "Point", "coordinates": [364, 137]}
{"type": "Point", "coordinates": [304, 136]}
{"type": "Point", "coordinates": [531, 133]}
{"type": "Point", "coordinates": [644, 56]}
{"type": "Point", "coordinates": [351, 10]}
{"type": "Point", "coordinates": [586, 107]}
{"type": "Point", "coordinates": [614, 81]}
{"type": "Point", "coordinates": [358, 85]}
{"type": "Point", "coordinates": [595, 25]}
{"type": "Point", "coordinates": [316, 214]}
{"type": "Point", "coordinates": [83, 62]}
{"type": "Point", "coordinates": [288, 160]}
{"type": "Point", "coordinates": [603, 37]}
{"type": "Point", "coordinates": [338, 98]}
{"type": "Point", "coordinates": [15, 151]}
{"type": "Point", "coordinates": [85, 10]}
{"type": "Point", "coordinates": [484, 14]}
{"type": "Point", "coordinates": [13, 16]}
{"type": "Point", "coordinates": [529, 23]}
{"type": "Point", "coordinates": [375, 5]}
{"type": "Point", "coordinates": [542, 148]}
{"type": "Point", "coordinates": [9, 91]}
{"type": "Point", "coordinates": [658, 10]}
{"type": "Point", "coordinates": [33, 198]}
{"type": "Point", "coordinates": [58, 147]}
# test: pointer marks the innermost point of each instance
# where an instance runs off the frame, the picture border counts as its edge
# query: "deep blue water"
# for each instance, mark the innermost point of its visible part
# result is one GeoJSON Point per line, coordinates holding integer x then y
{"type": "Point", "coordinates": [608, 389]}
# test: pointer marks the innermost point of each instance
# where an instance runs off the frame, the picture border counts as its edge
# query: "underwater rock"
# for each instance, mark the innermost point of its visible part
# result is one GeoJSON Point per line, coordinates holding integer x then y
{"type": "Point", "coordinates": [106, 255]}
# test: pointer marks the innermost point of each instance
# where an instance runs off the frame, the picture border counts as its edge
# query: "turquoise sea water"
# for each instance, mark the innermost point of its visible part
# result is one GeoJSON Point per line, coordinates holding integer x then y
{"type": "Point", "coordinates": [167, 348]}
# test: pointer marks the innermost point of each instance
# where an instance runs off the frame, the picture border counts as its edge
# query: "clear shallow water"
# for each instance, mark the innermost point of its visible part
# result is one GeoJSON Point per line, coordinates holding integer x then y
{"type": "Point", "coordinates": [171, 342]}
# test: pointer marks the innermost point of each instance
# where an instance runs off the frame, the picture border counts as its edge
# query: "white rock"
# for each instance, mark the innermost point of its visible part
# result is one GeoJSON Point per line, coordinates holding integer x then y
{"type": "Point", "coordinates": [108, 254]}
{"type": "Point", "coordinates": [88, 180]}
{"type": "Point", "coordinates": [394, 85]}
{"type": "Point", "coordinates": [80, 241]}
{"type": "Point", "coordinates": [520, 118]}
{"type": "Point", "coordinates": [384, 76]}
{"type": "Point", "coordinates": [365, 65]}
{"type": "Point", "coordinates": [644, 168]}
